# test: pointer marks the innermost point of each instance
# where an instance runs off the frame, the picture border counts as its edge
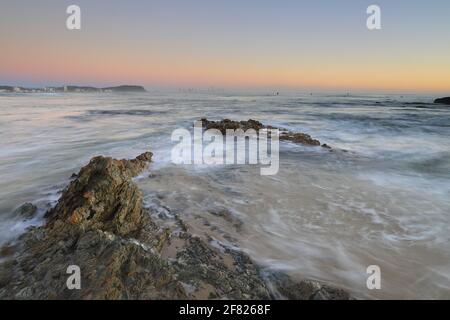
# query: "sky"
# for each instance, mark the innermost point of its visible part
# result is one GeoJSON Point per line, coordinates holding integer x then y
{"type": "Point", "coordinates": [320, 44]}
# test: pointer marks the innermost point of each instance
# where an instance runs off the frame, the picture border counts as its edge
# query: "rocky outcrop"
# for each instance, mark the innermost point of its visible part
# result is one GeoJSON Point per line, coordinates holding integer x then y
{"type": "Point", "coordinates": [227, 124]}
{"type": "Point", "coordinates": [285, 135]}
{"type": "Point", "coordinates": [96, 225]}
{"type": "Point", "coordinates": [101, 226]}
{"type": "Point", "coordinates": [104, 197]}
{"type": "Point", "coordinates": [445, 100]}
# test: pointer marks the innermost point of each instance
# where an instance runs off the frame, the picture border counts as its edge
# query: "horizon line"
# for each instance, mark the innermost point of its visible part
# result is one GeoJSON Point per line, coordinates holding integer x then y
{"type": "Point", "coordinates": [217, 87]}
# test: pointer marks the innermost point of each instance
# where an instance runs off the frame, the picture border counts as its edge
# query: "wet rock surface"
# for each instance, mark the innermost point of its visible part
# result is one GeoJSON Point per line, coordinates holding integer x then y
{"type": "Point", "coordinates": [445, 100]}
{"type": "Point", "coordinates": [227, 124]}
{"type": "Point", "coordinates": [305, 290]}
{"type": "Point", "coordinates": [302, 138]}
{"type": "Point", "coordinates": [285, 135]}
{"type": "Point", "coordinates": [100, 225]}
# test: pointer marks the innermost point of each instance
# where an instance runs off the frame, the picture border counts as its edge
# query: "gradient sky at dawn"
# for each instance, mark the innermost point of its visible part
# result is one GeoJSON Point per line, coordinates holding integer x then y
{"type": "Point", "coordinates": [322, 44]}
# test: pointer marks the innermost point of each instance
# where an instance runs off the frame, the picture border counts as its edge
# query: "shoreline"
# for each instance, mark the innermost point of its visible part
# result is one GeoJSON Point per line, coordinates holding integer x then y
{"type": "Point", "coordinates": [101, 225]}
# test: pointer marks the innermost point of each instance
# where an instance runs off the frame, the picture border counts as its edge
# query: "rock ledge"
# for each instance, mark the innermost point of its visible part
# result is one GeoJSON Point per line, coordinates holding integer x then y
{"type": "Point", "coordinates": [100, 225]}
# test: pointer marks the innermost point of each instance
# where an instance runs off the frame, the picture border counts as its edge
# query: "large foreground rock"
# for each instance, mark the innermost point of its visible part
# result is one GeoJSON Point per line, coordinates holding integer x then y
{"type": "Point", "coordinates": [100, 225]}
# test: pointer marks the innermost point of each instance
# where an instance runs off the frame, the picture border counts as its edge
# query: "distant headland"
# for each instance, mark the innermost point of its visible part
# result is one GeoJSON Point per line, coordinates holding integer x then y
{"type": "Point", "coordinates": [118, 89]}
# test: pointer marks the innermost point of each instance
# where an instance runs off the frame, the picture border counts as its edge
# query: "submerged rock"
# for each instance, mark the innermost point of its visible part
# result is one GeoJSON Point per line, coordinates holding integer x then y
{"type": "Point", "coordinates": [445, 100]}
{"type": "Point", "coordinates": [285, 135]}
{"type": "Point", "coordinates": [101, 226]}
{"type": "Point", "coordinates": [26, 211]}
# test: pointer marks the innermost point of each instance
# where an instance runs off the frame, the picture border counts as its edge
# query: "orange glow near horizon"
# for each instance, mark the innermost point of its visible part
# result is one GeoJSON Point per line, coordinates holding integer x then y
{"type": "Point", "coordinates": [158, 70]}
{"type": "Point", "coordinates": [119, 60]}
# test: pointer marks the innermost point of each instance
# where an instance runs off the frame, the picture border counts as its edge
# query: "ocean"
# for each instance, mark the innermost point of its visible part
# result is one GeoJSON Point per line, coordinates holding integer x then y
{"type": "Point", "coordinates": [382, 197]}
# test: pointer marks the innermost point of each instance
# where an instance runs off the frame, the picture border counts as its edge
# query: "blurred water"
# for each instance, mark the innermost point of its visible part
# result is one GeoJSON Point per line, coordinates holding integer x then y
{"type": "Point", "coordinates": [326, 215]}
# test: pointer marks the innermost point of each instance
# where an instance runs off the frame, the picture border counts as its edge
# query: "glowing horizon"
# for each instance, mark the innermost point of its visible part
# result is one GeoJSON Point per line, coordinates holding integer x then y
{"type": "Point", "coordinates": [296, 44]}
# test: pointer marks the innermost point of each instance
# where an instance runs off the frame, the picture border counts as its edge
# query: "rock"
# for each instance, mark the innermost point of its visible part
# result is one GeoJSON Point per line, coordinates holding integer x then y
{"type": "Point", "coordinates": [5, 273]}
{"type": "Point", "coordinates": [445, 100]}
{"type": "Point", "coordinates": [103, 196]}
{"type": "Point", "coordinates": [305, 290]}
{"type": "Point", "coordinates": [7, 250]}
{"type": "Point", "coordinates": [285, 135]}
{"type": "Point", "coordinates": [230, 275]}
{"type": "Point", "coordinates": [226, 124]}
{"type": "Point", "coordinates": [100, 225]}
{"type": "Point", "coordinates": [227, 216]}
{"type": "Point", "coordinates": [26, 211]}
{"type": "Point", "coordinates": [301, 138]}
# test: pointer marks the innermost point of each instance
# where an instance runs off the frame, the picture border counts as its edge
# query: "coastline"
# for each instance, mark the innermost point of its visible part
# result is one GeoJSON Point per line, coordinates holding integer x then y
{"type": "Point", "coordinates": [101, 225]}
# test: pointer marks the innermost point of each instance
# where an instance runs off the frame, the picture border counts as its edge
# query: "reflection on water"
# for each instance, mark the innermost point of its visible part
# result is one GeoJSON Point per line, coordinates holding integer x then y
{"type": "Point", "coordinates": [326, 215]}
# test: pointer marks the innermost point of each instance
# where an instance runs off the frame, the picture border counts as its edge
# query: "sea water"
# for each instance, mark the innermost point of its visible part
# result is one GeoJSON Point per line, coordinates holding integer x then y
{"type": "Point", "coordinates": [382, 197]}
